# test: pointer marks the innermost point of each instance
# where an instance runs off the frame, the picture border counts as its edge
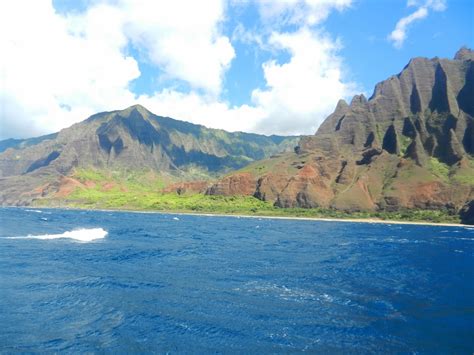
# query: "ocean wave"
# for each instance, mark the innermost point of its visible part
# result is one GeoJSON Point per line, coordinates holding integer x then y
{"type": "Point", "coordinates": [37, 211]}
{"type": "Point", "coordinates": [80, 235]}
{"type": "Point", "coordinates": [282, 291]}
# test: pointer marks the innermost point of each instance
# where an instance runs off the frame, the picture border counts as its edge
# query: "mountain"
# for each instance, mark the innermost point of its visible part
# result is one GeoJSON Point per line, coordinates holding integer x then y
{"type": "Point", "coordinates": [410, 145]}
{"type": "Point", "coordinates": [22, 143]}
{"type": "Point", "coordinates": [133, 139]}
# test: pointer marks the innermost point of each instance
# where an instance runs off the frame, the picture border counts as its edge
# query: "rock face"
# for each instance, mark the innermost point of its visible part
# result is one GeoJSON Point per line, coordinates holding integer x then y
{"type": "Point", "coordinates": [131, 139]}
{"type": "Point", "coordinates": [236, 184]}
{"type": "Point", "coordinates": [467, 213]}
{"type": "Point", "coordinates": [410, 145]}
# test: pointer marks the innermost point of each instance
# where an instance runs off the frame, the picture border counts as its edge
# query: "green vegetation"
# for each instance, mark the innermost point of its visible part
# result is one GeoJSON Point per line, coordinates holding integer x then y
{"type": "Point", "coordinates": [168, 202]}
{"type": "Point", "coordinates": [120, 180]}
{"type": "Point", "coordinates": [465, 175]}
{"type": "Point", "coordinates": [142, 191]}
{"type": "Point", "coordinates": [404, 143]}
{"type": "Point", "coordinates": [277, 163]}
{"type": "Point", "coordinates": [467, 178]}
{"type": "Point", "coordinates": [438, 169]}
{"type": "Point", "coordinates": [132, 193]}
{"type": "Point", "coordinates": [246, 205]}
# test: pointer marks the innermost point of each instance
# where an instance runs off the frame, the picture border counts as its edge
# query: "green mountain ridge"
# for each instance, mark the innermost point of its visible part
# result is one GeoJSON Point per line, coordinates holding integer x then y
{"type": "Point", "coordinates": [408, 151]}
{"type": "Point", "coordinates": [410, 146]}
{"type": "Point", "coordinates": [133, 139]}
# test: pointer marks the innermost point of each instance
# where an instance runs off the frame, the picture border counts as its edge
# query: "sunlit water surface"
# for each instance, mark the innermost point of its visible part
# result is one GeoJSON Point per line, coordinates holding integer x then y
{"type": "Point", "coordinates": [93, 281]}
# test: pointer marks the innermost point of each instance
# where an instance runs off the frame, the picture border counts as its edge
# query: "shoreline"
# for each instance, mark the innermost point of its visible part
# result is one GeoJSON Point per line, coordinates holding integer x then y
{"type": "Point", "coordinates": [314, 219]}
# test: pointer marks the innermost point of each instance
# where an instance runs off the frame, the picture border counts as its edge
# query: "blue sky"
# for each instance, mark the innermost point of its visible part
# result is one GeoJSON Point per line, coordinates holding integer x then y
{"type": "Point", "coordinates": [271, 67]}
{"type": "Point", "coordinates": [372, 58]}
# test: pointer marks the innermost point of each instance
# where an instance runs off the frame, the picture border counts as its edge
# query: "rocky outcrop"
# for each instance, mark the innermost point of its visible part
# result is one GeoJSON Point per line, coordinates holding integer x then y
{"type": "Point", "coordinates": [416, 151]}
{"type": "Point", "coordinates": [236, 184]}
{"type": "Point", "coordinates": [270, 185]}
{"type": "Point", "coordinates": [467, 213]}
{"type": "Point", "coordinates": [308, 188]}
{"type": "Point", "coordinates": [410, 145]}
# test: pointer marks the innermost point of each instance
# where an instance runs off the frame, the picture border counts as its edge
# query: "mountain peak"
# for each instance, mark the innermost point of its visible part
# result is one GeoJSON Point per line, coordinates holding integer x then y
{"type": "Point", "coordinates": [359, 100]}
{"type": "Point", "coordinates": [341, 104]}
{"type": "Point", "coordinates": [137, 107]}
{"type": "Point", "coordinates": [464, 53]}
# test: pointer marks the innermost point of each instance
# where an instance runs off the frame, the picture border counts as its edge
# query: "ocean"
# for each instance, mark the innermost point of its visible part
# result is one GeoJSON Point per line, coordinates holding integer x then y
{"type": "Point", "coordinates": [99, 281]}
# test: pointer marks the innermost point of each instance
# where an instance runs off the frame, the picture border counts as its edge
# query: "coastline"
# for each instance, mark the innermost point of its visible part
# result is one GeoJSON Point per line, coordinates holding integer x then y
{"type": "Point", "coordinates": [314, 219]}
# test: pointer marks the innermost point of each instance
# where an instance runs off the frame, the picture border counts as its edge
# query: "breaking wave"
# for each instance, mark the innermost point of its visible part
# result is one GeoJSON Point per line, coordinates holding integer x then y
{"type": "Point", "coordinates": [79, 235]}
{"type": "Point", "coordinates": [38, 211]}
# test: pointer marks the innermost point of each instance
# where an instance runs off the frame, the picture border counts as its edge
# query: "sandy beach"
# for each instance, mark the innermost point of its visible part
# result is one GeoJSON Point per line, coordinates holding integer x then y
{"type": "Point", "coordinates": [319, 219]}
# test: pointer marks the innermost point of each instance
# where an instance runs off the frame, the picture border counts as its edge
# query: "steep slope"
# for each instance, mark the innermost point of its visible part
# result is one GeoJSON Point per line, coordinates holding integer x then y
{"type": "Point", "coordinates": [410, 145]}
{"type": "Point", "coordinates": [132, 139]}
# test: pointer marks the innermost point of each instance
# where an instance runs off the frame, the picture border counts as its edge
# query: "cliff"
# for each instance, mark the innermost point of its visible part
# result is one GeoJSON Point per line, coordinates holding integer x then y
{"type": "Point", "coordinates": [410, 145]}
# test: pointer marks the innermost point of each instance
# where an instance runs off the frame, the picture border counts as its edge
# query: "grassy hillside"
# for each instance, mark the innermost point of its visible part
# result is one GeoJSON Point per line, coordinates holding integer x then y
{"type": "Point", "coordinates": [141, 191]}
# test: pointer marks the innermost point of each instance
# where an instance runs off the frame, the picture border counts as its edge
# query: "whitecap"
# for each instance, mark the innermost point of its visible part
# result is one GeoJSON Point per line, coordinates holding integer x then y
{"type": "Point", "coordinates": [37, 211]}
{"type": "Point", "coordinates": [281, 291]}
{"type": "Point", "coordinates": [327, 298]}
{"type": "Point", "coordinates": [457, 238]}
{"type": "Point", "coordinates": [80, 235]}
{"type": "Point", "coordinates": [176, 218]}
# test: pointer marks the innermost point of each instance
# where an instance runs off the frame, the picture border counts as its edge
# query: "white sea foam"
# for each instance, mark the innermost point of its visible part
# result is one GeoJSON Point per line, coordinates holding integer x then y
{"type": "Point", "coordinates": [80, 235]}
{"type": "Point", "coordinates": [38, 211]}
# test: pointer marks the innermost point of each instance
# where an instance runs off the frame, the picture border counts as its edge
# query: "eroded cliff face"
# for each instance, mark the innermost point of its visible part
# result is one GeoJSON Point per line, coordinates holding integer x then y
{"type": "Point", "coordinates": [410, 145]}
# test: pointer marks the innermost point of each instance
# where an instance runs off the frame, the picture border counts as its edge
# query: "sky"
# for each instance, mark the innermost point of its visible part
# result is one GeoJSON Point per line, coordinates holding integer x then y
{"type": "Point", "coordinates": [269, 67]}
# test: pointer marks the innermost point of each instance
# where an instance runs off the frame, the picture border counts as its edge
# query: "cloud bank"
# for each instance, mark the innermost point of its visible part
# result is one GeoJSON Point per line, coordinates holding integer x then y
{"type": "Point", "coordinates": [59, 68]}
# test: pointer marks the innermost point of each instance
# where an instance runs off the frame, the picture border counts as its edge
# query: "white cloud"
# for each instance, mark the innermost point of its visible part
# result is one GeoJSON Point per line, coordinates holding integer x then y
{"type": "Point", "coordinates": [302, 92]}
{"type": "Point", "coordinates": [183, 38]}
{"type": "Point", "coordinates": [58, 69]}
{"type": "Point", "coordinates": [298, 96]}
{"type": "Point", "coordinates": [243, 35]}
{"type": "Point", "coordinates": [306, 12]}
{"type": "Point", "coordinates": [203, 110]}
{"type": "Point", "coordinates": [399, 34]}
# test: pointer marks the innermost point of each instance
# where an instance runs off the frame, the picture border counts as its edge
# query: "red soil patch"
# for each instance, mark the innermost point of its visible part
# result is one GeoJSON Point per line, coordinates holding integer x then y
{"type": "Point", "coordinates": [108, 186]}
{"type": "Point", "coordinates": [67, 185]}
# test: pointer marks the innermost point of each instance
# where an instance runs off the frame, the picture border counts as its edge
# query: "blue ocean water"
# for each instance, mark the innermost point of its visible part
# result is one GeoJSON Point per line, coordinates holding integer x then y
{"type": "Point", "coordinates": [134, 282]}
